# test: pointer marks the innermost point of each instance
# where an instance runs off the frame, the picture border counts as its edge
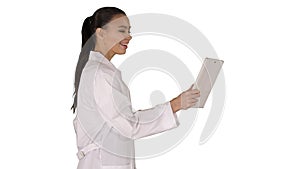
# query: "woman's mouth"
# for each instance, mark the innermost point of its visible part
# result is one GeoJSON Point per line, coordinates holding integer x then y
{"type": "Point", "coordinates": [124, 45]}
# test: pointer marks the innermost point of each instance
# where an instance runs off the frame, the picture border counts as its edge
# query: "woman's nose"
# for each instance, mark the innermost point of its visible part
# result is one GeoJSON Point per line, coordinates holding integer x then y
{"type": "Point", "coordinates": [129, 37]}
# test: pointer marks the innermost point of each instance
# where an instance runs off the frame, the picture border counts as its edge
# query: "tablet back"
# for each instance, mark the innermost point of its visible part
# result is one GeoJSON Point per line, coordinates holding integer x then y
{"type": "Point", "coordinates": [206, 79]}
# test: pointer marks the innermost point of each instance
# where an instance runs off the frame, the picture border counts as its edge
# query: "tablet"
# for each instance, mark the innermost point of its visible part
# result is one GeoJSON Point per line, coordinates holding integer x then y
{"type": "Point", "coordinates": [206, 79]}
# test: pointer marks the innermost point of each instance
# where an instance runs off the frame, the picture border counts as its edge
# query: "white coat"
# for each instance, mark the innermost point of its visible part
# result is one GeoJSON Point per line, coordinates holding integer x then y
{"type": "Point", "coordinates": [105, 124]}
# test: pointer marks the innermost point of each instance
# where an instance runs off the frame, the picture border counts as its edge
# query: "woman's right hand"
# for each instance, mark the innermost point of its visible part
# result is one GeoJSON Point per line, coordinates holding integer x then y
{"type": "Point", "coordinates": [189, 97]}
{"type": "Point", "coordinates": [186, 99]}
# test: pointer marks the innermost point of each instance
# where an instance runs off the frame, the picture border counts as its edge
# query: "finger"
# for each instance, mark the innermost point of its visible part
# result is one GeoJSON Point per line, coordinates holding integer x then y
{"type": "Point", "coordinates": [191, 105]}
{"type": "Point", "coordinates": [192, 92]}
{"type": "Point", "coordinates": [191, 87]}
{"type": "Point", "coordinates": [195, 95]}
{"type": "Point", "coordinates": [194, 100]}
{"type": "Point", "coordinates": [196, 90]}
{"type": "Point", "coordinates": [192, 95]}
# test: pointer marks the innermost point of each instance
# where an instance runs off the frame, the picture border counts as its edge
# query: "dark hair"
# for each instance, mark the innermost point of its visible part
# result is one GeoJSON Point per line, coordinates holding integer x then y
{"type": "Point", "coordinates": [101, 17]}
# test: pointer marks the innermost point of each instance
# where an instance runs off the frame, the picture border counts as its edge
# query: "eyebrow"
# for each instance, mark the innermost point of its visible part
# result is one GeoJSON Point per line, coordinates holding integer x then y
{"type": "Point", "coordinates": [122, 26]}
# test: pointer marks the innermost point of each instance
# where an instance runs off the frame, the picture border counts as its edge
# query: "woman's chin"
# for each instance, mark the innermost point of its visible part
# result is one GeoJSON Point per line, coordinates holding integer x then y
{"type": "Point", "coordinates": [121, 52]}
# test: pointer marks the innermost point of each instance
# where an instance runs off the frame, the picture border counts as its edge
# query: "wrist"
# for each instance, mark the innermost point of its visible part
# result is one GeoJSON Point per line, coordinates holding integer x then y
{"type": "Point", "coordinates": [176, 104]}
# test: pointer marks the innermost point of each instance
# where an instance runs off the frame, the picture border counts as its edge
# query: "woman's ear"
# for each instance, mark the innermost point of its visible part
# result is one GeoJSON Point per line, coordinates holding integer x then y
{"type": "Point", "coordinates": [99, 33]}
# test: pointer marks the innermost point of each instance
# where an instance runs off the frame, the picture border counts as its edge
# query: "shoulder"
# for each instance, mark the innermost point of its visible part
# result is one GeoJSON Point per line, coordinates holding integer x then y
{"type": "Point", "coordinates": [108, 74]}
{"type": "Point", "coordinates": [106, 69]}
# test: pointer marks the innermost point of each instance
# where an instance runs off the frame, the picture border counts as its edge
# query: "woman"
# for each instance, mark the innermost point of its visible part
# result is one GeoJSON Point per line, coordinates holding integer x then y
{"type": "Point", "coordinates": [105, 124]}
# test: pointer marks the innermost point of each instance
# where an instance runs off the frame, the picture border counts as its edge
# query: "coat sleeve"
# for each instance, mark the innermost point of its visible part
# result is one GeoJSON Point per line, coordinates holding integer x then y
{"type": "Point", "coordinates": [112, 98]}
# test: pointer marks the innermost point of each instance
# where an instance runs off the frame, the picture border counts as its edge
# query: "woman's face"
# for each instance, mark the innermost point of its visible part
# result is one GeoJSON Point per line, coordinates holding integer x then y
{"type": "Point", "coordinates": [115, 35]}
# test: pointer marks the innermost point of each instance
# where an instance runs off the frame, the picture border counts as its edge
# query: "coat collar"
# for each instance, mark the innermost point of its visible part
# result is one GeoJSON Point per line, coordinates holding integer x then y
{"type": "Point", "coordinates": [97, 56]}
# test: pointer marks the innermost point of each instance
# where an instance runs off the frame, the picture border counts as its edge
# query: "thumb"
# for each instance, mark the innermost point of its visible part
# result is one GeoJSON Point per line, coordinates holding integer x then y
{"type": "Point", "coordinates": [191, 87]}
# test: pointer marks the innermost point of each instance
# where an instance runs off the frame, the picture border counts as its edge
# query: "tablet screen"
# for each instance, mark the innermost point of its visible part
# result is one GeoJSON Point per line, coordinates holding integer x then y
{"type": "Point", "coordinates": [206, 79]}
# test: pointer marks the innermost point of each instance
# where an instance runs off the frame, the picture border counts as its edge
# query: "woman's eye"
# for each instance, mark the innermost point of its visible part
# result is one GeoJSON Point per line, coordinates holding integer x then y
{"type": "Point", "coordinates": [123, 31]}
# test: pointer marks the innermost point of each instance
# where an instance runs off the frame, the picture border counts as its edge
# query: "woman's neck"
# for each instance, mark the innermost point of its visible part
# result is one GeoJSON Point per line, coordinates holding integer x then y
{"type": "Point", "coordinates": [109, 54]}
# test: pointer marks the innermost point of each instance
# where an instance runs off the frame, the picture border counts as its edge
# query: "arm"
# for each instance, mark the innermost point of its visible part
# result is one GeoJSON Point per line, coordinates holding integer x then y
{"type": "Point", "coordinates": [113, 102]}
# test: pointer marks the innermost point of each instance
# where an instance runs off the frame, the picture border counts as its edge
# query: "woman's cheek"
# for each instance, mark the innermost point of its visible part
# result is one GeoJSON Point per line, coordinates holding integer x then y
{"type": "Point", "coordinates": [113, 42]}
{"type": "Point", "coordinates": [119, 37]}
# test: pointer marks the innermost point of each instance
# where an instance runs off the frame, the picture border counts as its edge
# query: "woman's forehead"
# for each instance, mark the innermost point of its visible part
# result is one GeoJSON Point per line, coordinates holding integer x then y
{"type": "Point", "coordinates": [119, 20]}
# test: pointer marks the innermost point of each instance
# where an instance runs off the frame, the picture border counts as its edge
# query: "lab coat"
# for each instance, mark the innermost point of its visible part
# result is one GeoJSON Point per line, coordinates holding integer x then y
{"type": "Point", "coordinates": [105, 123]}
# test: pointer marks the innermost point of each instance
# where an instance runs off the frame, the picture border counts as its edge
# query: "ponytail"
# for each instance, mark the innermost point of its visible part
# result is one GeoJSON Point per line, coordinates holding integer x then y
{"type": "Point", "coordinates": [86, 32]}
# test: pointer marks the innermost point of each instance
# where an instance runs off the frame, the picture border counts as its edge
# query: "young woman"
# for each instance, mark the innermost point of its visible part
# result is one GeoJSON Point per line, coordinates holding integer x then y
{"type": "Point", "coordinates": [105, 124]}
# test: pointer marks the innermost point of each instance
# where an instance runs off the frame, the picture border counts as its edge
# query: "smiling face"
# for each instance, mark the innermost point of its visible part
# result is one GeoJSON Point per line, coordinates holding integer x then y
{"type": "Point", "coordinates": [114, 37]}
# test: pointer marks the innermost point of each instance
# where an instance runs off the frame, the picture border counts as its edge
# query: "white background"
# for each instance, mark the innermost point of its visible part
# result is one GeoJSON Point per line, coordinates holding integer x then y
{"type": "Point", "coordinates": [258, 39]}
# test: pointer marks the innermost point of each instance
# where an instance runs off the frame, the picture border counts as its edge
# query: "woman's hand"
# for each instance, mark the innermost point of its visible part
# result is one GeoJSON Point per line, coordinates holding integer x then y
{"type": "Point", "coordinates": [186, 99]}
